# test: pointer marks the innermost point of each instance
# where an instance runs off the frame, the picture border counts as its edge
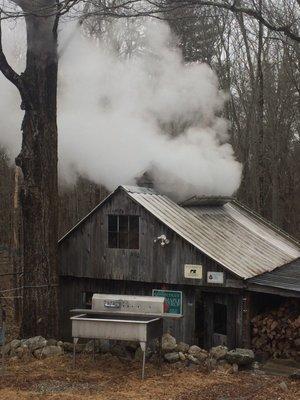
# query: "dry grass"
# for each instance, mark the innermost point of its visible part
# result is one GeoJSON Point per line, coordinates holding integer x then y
{"type": "Point", "coordinates": [110, 379]}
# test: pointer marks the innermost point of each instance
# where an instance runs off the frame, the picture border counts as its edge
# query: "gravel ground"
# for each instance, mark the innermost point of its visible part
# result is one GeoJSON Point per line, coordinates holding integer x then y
{"type": "Point", "coordinates": [108, 378]}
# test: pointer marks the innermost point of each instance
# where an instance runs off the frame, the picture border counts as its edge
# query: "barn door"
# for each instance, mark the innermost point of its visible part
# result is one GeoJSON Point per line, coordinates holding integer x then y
{"type": "Point", "coordinates": [220, 312]}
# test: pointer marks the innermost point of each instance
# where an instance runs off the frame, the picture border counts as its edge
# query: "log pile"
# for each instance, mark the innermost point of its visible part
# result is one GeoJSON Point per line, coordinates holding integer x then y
{"type": "Point", "coordinates": [277, 332]}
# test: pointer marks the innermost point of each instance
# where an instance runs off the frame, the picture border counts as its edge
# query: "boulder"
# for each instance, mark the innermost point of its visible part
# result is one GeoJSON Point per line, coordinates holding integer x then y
{"type": "Point", "coordinates": [218, 352]}
{"type": "Point", "coordinates": [210, 363]}
{"type": "Point", "coordinates": [34, 343]}
{"type": "Point", "coordinates": [182, 357]}
{"type": "Point", "coordinates": [138, 355]}
{"type": "Point", "coordinates": [48, 351]}
{"type": "Point", "coordinates": [6, 349]}
{"type": "Point", "coordinates": [197, 352]}
{"type": "Point", "coordinates": [183, 347]}
{"type": "Point", "coordinates": [193, 359]}
{"type": "Point", "coordinates": [283, 386]}
{"type": "Point", "coordinates": [14, 344]}
{"type": "Point", "coordinates": [235, 368]}
{"type": "Point", "coordinates": [104, 346]}
{"type": "Point", "coordinates": [168, 343]}
{"type": "Point", "coordinates": [89, 347]}
{"type": "Point", "coordinates": [68, 347]}
{"type": "Point", "coordinates": [240, 356]}
{"type": "Point", "coordinates": [171, 357]}
{"type": "Point", "coordinates": [51, 342]}
{"type": "Point", "coordinates": [297, 343]}
{"type": "Point", "coordinates": [295, 375]}
{"type": "Point", "coordinates": [22, 351]}
{"type": "Point", "coordinates": [120, 351]}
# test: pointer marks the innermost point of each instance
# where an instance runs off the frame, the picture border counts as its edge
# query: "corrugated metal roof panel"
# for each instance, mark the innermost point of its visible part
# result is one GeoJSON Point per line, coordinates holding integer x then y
{"type": "Point", "coordinates": [286, 277]}
{"type": "Point", "coordinates": [230, 234]}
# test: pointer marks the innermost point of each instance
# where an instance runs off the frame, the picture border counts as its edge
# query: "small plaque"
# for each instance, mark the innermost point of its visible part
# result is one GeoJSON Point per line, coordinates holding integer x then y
{"type": "Point", "coordinates": [192, 271]}
{"type": "Point", "coordinates": [215, 277]}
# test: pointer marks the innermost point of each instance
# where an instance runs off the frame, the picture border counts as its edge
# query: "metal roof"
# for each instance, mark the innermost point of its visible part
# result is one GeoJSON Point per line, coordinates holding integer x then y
{"type": "Point", "coordinates": [229, 233]}
{"type": "Point", "coordinates": [286, 277]}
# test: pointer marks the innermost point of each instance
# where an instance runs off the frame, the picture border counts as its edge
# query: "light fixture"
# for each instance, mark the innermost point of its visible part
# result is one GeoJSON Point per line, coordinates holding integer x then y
{"type": "Point", "coordinates": [162, 240]}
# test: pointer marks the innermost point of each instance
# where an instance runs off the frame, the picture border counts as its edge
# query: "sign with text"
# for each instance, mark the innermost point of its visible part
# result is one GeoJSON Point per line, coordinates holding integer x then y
{"type": "Point", "coordinates": [215, 277]}
{"type": "Point", "coordinates": [173, 300]}
{"type": "Point", "coordinates": [192, 271]}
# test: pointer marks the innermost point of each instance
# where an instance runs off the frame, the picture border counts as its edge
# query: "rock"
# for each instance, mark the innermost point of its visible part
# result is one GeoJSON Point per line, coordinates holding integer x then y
{"type": "Point", "coordinates": [240, 356]}
{"type": "Point", "coordinates": [89, 347]}
{"type": "Point", "coordinates": [283, 386]}
{"type": "Point", "coordinates": [22, 351]}
{"type": "Point", "coordinates": [183, 347]}
{"type": "Point", "coordinates": [138, 355]}
{"type": "Point", "coordinates": [120, 351]}
{"type": "Point", "coordinates": [210, 363]}
{"type": "Point", "coordinates": [6, 349]}
{"type": "Point", "coordinates": [68, 347]}
{"type": "Point", "coordinates": [182, 357]}
{"type": "Point", "coordinates": [297, 343]}
{"type": "Point", "coordinates": [168, 343]}
{"type": "Point", "coordinates": [171, 357]}
{"type": "Point", "coordinates": [255, 365]}
{"type": "Point", "coordinates": [218, 352]}
{"type": "Point", "coordinates": [131, 346]}
{"type": "Point", "coordinates": [235, 368]}
{"type": "Point", "coordinates": [36, 342]}
{"type": "Point", "coordinates": [14, 344]}
{"type": "Point", "coordinates": [197, 352]}
{"type": "Point", "coordinates": [59, 343]}
{"type": "Point", "coordinates": [193, 359]}
{"type": "Point", "coordinates": [51, 342]}
{"type": "Point", "coordinates": [104, 346]}
{"type": "Point", "coordinates": [295, 375]}
{"type": "Point", "coordinates": [48, 351]}
{"type": "Point", "coordinates": [224, 366]}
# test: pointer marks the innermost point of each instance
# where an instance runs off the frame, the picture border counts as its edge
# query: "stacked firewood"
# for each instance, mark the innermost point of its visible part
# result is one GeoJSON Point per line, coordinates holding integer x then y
{"type": "Point", "coordinates": [277, 332]}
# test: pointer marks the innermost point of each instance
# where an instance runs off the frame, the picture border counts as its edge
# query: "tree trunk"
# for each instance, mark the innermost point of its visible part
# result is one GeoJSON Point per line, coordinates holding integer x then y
{"type": "Point", "coordinates": [39, 195]}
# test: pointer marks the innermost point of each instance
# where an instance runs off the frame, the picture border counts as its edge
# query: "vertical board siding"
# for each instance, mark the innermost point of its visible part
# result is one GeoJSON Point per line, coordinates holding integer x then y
{"type": "Point", "coordinates": [85, 253]}
{"type": "Point", "coordinates": [71, 295]}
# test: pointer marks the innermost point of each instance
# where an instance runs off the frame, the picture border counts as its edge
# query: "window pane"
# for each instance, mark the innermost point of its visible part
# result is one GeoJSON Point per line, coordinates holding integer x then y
{"type": "Point", "coordinates": [123, 240]}
{"type": "Point", "coordinates": [134, 240]}
{"type": "Point", "coordinates": [123, 223]}
{"type": "Point", "coordinates": [112, 239]}
{"type": "Point", "coordinates": [112, 223]}
{"type": "Point", "coordinates": [134, 223]}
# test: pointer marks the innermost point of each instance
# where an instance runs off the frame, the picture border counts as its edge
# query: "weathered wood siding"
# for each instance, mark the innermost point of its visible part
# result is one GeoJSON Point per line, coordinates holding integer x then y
{"type": "Point", "coordinates": [84, 253]}
{"type": "Point", "coordinates": [71, 296]}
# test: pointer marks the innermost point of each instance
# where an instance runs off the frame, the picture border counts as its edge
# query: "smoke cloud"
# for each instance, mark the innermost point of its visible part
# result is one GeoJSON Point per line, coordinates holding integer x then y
{"type": "Point", "coordinates": [121, 116]}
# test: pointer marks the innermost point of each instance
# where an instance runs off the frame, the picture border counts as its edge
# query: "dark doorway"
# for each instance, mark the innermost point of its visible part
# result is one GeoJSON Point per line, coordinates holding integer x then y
{"type": "Point", "coordinates": [219, 324]}
{"type": "Point", "coordinates": [220, 319]}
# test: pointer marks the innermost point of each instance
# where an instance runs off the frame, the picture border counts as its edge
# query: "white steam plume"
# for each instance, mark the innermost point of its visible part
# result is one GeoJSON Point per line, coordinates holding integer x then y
{"type": "Point", "coordinates": [115, 114]}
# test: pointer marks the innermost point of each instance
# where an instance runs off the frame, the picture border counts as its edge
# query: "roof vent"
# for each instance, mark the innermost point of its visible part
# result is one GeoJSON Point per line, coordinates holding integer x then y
{"type": "Point", "coordinates": [206, 201]}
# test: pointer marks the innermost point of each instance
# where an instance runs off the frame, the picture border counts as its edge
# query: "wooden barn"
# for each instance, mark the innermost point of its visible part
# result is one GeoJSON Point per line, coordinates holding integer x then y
{"type": "Point", "coordinates": [213, 255]}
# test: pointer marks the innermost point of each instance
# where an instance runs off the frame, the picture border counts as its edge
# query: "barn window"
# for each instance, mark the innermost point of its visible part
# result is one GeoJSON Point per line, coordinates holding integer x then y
{"type": "Point", "coordinates": [123, 231]}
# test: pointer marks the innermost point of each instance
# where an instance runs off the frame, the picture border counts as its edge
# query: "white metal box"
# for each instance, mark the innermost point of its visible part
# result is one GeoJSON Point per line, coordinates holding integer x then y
{"type": "Point", "coordinates": [145, 305]}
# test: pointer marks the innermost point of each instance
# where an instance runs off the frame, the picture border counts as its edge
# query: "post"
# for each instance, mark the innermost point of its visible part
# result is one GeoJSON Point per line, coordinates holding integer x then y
{"type": "Point", "coordinates": [143, 347]}
{"type": "Point", "coordinates": [160, 352]}
{"type": "Point", "coordinates": [93, 349]}
{"type": "Point", "coordinates": [75, 341]}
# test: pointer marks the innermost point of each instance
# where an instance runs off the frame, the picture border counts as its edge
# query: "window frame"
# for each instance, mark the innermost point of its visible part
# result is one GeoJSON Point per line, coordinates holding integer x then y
{"type": "Point", "coordinates": [120, 238]}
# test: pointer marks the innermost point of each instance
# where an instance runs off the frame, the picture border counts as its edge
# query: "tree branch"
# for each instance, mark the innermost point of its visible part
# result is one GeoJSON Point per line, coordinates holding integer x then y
{"type": "Point", "coordinates": [6, 69]}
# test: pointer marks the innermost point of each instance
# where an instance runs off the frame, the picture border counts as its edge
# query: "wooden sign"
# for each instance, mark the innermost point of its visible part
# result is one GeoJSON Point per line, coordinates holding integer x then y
{"type": "Point", "coordinates": [215, 277]}
{"type": "Point", "coordinates": [192, 271]}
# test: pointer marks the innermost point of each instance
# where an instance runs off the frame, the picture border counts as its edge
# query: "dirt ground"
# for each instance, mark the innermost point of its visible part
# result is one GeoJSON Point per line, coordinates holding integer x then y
{"type": "Point", "coordinates": [108, 378]}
